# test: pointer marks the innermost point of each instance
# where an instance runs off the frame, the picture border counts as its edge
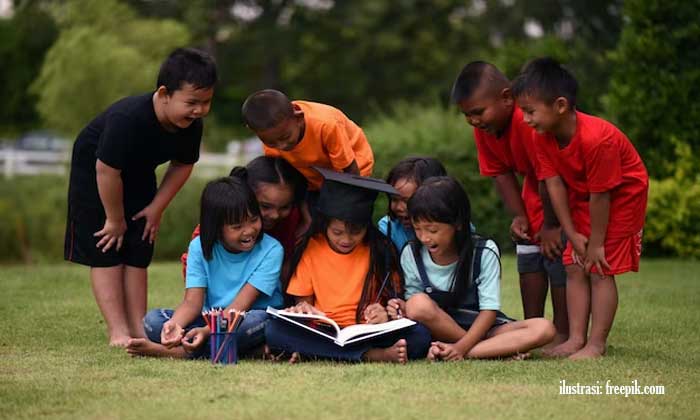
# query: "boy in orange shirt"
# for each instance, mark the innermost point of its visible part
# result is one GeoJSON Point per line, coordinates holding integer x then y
{"type": "Point", "coordinates": [598, 188]}
{"type": "Point", "coordinates": [308, 134]}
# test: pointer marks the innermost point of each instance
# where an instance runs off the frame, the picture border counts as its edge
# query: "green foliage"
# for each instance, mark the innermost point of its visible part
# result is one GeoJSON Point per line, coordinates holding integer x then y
{"type": "Point", "coordinates": [24, 40]}
{"type": "Point", "coordinates": [673, 213]}
{"type": "Point", "coordinates": [656, 79]}
{"type": "Point", "coordinates": [103, 53]}
{"type": "Point", "coordinates": [441, 133]}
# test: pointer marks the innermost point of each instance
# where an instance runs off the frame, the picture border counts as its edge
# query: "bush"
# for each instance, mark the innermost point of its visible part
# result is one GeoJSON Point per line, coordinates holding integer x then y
{"type": "Point", "coordinates": [442, 133]}
{"type": "Point", "coordinates": [673, 213]}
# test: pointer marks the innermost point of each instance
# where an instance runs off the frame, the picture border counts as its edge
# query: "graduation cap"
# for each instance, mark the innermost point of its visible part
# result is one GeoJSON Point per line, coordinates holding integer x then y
{"type": "Point", "coordinates": [349, 197]}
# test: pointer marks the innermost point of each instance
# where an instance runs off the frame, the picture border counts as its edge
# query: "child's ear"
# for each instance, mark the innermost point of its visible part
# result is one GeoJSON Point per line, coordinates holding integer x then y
{"type": "Point", "coordinates": [507, 95]}
{"type": "Point", "coordinates": [561, 105]}
{"type": "Point", "coordinates": [163, 93]}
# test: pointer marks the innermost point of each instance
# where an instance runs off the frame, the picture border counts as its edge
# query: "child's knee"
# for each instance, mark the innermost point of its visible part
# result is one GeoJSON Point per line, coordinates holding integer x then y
{"type": "Point", "coordinates": [153, 323]}
{"type": "Point", "coordinates": [543, 330]}
{"type": "Point", "coordinates": [420, 307]}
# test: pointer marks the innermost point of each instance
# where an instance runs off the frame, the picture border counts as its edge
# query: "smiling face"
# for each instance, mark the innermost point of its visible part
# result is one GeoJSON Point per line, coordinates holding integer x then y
{"type": "Point", "coordinates": [488, 109]}
{"type": "Point", "coordinates": [275, 202]}
{"type": "Point", "coordinates": [342, 237]}
{"type": "Point", "coordinates": [439, 240]}
{"type": "Point", "coordinates": [399, 203]}
{"type": "Point", "coordinates": [179, 109]}
{"type": "Point", "coordinates": [543, 117]}
{"type": "Point", "coordinates": [285, 135]}
{"type": "Point", "coordinates": [241, 237]}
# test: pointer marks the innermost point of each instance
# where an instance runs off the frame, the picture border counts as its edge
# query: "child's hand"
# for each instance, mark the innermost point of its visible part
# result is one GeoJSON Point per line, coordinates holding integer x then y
{"type": "Point", "coordinates": [443, 351]}
{"type": "Point", "coordinates": [375, 314]}
{"type": "Point", "coordinates": [519, 228]}
{"type": "Point", "coordinates": [152, 215]}
{"type": "Point", "coordinates": [305, 308]}
{"type": "Point", "coordinates": [171, 334]}
{"type": "Point", "coordinates": [396, 308]}
{"type": "Point", "coordinates": [550, 242]}
{"type": "Point", "coordinates": [112, 234]}
{"type": "Point", "coordinates": [195, 338]}
{"type": "Point", "coordinates": [595, 255]}
{"type": "Point", "coordinates": [579, 243]}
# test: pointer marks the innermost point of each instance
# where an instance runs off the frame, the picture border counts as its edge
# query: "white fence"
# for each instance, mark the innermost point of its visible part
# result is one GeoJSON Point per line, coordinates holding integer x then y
{"type": "Point", "coordinates": [24, 162]}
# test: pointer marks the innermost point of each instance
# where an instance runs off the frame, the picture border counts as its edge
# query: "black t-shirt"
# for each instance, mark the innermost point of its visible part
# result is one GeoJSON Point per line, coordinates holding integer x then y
{"type": "Point", "coordinates": [128, 137]}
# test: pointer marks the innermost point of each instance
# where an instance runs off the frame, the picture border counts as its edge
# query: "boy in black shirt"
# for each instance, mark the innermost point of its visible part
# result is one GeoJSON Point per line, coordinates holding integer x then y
{"type": "Point", "coordinates": [114, 204]}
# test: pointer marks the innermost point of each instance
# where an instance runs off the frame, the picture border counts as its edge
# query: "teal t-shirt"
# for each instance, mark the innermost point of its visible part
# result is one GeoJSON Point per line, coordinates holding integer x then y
{"type": "Point", "coordinates": [399, 234]}
{"type": "Point", "coordinates": [226, 273]}
{"type": "Point", "coordinates": [488, 284]}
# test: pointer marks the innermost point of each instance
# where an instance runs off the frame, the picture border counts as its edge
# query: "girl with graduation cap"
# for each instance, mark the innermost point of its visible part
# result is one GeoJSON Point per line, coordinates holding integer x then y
{"type": "Point", "coordinates": [347, 270]}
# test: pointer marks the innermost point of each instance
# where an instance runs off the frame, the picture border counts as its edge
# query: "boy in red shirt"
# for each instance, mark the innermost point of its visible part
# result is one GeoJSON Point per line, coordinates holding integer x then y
{"type": "Point", "coordinates": [308, 134]}
{"type": "Point", "coordinates": [598, 188]}
{"type": "Point", "coordinates": [503, 144]}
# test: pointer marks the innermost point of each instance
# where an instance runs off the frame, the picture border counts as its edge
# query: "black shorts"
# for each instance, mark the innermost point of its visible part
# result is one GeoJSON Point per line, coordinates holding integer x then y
{"type": "Point", "coordinates": [531, 260]}
{"type": "Point", "coordinates": [80, 244]}
{"type": "Point", "coordinates": [466, 317]}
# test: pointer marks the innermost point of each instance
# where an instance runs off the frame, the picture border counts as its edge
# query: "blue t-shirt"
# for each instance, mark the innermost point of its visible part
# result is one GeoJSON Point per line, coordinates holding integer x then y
{"type": "Point", "coordinates": [488, 284]}
{"type": "Point", "coordinates": [226, 273]}
{"type": "Point", "coordinates": [399, 234]}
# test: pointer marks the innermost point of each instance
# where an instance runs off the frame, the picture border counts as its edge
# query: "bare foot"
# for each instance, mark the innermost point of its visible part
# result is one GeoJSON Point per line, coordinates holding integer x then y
{"type": "Point", "coordinates": [119, 340]}
{"type": "Point", "coordinates": [434, 353]}
{"type": "Point", "coordinates": [146, 347]}
{"type": "Point", "coordinates": [558, 339]}
{"type": "Point", "coordinates": [564, 349]}
{"type": "Point", "coordinates": [589, 351]}
{"type": "Point", "coordinates": [398, 353]}
{"type": "Point", "coordinates": [295, 358]}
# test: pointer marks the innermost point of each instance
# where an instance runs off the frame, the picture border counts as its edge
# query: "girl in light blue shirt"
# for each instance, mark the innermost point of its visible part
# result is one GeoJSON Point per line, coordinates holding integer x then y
{"type": "Point", "coordinates": [231, 265]}
{"type": "Point", "coordinates": [453, 282]}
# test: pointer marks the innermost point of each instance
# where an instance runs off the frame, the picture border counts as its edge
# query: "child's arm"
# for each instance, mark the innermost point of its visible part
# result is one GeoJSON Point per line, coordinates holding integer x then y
{"type": "Point", "coordinates": [508, 188]}
{"type": "Point", "coordinates": [185, 313]}
{"type": "Point", "coordinates": [175, 177]}
{"type": "Point", "coordinates": [550, 234]}
{"type": "Point", "coordinates": [600, 212]}
{"type": "Point", "coordinates": [557, 195]}
{"type": "Point", "coordinates": [111, 190]}
{"type": "Point", "coordinates": [245, 298]}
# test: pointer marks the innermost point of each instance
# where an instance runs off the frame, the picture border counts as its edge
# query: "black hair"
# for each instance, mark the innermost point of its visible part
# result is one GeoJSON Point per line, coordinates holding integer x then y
{"type": "Point", "coordinates": [265, 109]}
{"type": "Point", "coordinates": [272, 170]}
{"type": "Point", "coordinates": [544, 78]}
{"type": "Point", "coordinates": [416, 169]}
{"type": "Point", "coordinates": [443, 200]}
{"type": "Point", "coordinates": [225, 201]}
{"type": "Point", "coordinates": [471, 78]}
{"type": "Point", "coordinates": [187, 65]}
{"type": "Point", "coordinates": [383, 258]}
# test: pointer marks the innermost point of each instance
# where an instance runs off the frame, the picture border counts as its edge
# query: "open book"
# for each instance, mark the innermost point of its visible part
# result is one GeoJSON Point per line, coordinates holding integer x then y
{"type": "Point", "coordinates": [328, 328]}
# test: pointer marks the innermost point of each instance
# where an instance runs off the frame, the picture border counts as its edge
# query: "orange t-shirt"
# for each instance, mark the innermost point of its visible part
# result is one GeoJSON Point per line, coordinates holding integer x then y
{"type": "Point", "coordinates": [331, 140]}
{"type": "Point", "coordinates": [335, 280]}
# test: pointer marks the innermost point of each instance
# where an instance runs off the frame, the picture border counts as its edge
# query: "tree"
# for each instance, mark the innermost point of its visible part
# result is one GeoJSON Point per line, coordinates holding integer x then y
{"type": "Point", "coordinates": [656, 80]}
{"type": "Point", "coordinates": [104, 52]}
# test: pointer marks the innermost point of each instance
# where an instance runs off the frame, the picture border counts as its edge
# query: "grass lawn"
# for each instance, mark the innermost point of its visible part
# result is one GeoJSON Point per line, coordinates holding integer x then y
{"type": "Point", "coordinates": [55, 362]}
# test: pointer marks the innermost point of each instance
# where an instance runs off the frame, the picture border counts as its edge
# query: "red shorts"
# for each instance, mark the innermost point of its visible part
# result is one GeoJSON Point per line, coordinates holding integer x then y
{"type": "Point", "coordinates": [622, 254]}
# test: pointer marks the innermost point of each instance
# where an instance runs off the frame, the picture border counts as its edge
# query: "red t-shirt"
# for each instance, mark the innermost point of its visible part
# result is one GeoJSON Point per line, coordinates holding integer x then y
{"type": "Point", "coordinates": [513, 152]}
{"type": "Point", "coordinates": [599, 158]}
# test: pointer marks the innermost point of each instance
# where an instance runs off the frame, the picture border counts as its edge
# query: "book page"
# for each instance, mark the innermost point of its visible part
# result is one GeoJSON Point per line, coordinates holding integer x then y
{"type": "Point", "coordinates": [358, 330]}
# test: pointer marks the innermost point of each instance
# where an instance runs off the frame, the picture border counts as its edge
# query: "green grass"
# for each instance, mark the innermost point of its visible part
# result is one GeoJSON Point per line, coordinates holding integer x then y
{"type": "Point", "coordinates": [54, 362]}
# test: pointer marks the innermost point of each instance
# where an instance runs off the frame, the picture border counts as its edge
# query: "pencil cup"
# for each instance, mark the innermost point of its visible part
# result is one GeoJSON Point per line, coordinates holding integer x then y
{"type": "Point", "coordinates": [223, 348]}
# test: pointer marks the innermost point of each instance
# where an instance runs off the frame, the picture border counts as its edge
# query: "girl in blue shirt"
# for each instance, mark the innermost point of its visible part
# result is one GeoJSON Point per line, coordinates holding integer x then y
{"type": "Point", "coordinates": [406, 177]}
{"type": "Point", "coordinates": [453, 282]}
{"type": "Point", "coordinates": [232, 265]}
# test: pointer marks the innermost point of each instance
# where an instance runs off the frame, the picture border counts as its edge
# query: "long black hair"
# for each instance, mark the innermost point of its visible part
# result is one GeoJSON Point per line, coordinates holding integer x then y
{"type": "Point", "coordinates": [225, 201]}
{"type": "Point", "coordinates": [382, 259]}
{"type": "Point", "coordinates": [443, 200]}
{"type": "Point", "coordinates": [415, 169]}
{"type": "Point", "coordinates": [272, 170]}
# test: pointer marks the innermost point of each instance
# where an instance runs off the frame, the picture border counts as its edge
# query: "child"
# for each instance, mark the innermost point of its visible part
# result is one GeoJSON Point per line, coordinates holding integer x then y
{"type": "Point", "coordinates": [603, 213]}
{"type": "Point", "coordinates": [308, 134]}
{"type": "Point", "coordinates": [339, 270]}
{"type": "Point", "coordinates": [504, 149]}
{"type": "Point", "coordinates": [279, 188]}
{"type": "Point", "coordinates": [114, 205]}
{"type": "Point", "coordinates": [406, 177]}
{"type": "Point", "coordinates": [232, 265]}
{"type": "Point", "coordinates": [453, 282]}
